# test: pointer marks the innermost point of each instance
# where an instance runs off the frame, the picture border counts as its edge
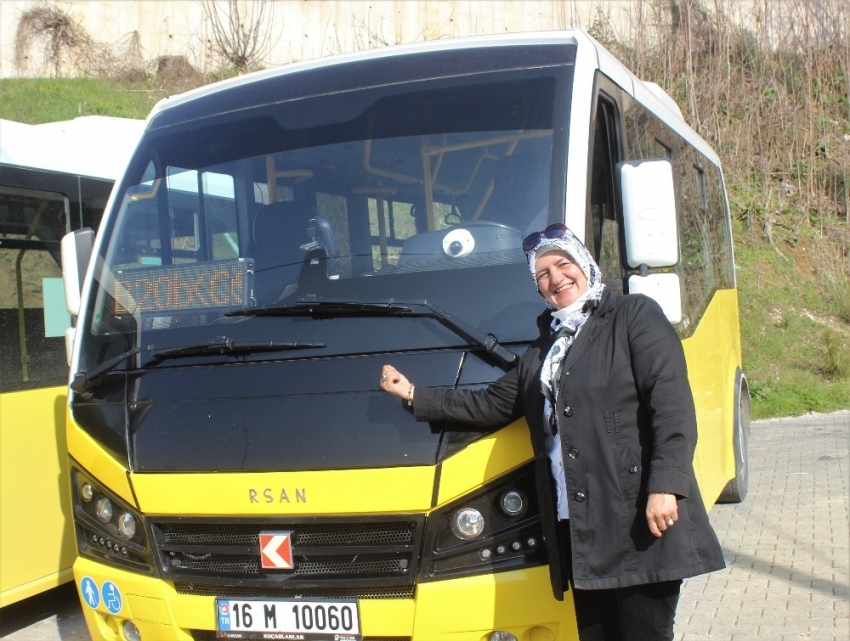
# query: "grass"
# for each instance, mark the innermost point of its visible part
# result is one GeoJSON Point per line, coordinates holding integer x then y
{"type": "Point", "coordinates": [795, 314]}
{"type": "Point", "coordinates": [795, 352]}
{"type": "Point", "coordinates": [35, 101]}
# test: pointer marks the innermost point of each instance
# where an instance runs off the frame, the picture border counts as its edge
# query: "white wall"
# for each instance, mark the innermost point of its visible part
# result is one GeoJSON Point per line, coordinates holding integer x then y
{"type": "Point", "coordinates": [306, 29]}
{"type": "Point", "coordinates": [303, 29]}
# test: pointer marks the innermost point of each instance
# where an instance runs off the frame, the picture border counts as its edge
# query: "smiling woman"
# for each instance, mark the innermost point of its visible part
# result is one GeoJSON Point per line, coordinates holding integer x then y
{"type": "Point", "coordinates": [612, 374]}
{"type": "Point", "coordinates": [559, 280]}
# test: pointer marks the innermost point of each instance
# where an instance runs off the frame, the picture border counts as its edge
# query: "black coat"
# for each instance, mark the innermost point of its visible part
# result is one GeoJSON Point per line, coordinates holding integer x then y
{"type": "Point", "coordinates": [627, 426]}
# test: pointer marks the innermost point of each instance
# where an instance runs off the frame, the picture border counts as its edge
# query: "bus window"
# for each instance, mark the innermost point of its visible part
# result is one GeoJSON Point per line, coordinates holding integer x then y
{"type": "Point", "coordinates": [32, 320]}
{"type": "Point", "coordinates": [603, 230]}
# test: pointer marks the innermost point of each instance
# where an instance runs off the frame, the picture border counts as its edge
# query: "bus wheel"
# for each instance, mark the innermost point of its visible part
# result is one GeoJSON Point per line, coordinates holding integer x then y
{"type": "Point", "coordinates": [736, 490]}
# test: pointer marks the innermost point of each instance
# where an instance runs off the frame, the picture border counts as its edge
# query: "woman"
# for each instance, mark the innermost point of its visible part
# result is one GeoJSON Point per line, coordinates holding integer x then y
{"type": "Point", "coordinates": [605, 392]}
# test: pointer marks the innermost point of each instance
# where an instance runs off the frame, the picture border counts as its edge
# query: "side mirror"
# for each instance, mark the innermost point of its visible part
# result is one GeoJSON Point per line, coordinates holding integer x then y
{"type": "Point", "coordinates": [649, 213]}
{"type": "Point", "coordinates": [665, 289]}
{"type": "Point", "coordinates": [76, 252]}
{"type": "Point", "coordinates": [651, 232]}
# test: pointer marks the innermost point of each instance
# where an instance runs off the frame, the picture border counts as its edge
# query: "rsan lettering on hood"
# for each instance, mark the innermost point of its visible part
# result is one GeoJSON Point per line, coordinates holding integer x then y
{"type": "Point", "coordinates": [268, 495]}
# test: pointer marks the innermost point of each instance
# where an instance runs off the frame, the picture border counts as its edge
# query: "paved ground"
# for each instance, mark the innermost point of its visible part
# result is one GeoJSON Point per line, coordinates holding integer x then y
{"type": "Point", "coordinates": [787, 549]}
{"type": "Point", "coordinates": [787, 546]}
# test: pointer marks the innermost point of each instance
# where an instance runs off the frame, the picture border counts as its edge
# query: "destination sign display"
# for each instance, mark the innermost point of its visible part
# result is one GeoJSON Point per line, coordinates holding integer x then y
{"type": "Point", "coordinates": [222, 284]}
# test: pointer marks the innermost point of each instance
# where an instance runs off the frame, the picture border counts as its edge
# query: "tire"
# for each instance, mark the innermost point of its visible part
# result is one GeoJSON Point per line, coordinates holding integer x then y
{"type": "Point", "coordinates": [736, 490]}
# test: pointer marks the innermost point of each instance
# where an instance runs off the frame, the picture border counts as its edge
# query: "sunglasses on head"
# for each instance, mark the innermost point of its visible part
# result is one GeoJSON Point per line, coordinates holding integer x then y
{"type": "Point", "coordinates": [555, 230]}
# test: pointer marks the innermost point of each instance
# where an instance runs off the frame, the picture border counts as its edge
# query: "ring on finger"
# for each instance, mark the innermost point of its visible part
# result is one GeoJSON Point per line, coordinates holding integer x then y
{"type": "Point", "coordinates": [670, 522]}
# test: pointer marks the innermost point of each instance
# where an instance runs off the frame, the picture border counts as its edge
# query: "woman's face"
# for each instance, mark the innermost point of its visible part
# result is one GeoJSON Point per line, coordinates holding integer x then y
{"type": "Point", "coordinates": [559, 279]}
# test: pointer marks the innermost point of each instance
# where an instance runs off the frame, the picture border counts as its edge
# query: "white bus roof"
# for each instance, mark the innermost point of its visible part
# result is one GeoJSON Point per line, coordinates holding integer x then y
{"type": "Point", "coordinates": [93, 146]}
{"type": "Point", "coordinates": [647, 93]}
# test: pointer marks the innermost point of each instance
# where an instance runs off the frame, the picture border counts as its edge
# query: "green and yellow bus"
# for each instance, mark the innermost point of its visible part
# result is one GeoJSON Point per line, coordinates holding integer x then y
{"type": "Point", "coordinates": [54, 178]}
{"type": "Point", "coordinates": [235, 470]}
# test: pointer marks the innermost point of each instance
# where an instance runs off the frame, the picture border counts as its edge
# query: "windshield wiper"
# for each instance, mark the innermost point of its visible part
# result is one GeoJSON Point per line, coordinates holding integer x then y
{"type": "Point", "coordinates": [224, 345]}
{"type": "Point", "coordinates": [415, 308]}
{"type": "Point", "coordinates": [466, 331]}
{"type": "Point", "coordinates": [86, 379]}
{"type": "Point", "coordinates": [327, 308]}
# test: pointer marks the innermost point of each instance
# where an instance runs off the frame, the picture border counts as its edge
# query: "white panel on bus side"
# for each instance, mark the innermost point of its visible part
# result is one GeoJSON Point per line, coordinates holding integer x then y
{"type": "Point", "coordinates": [664, 288]}
{"type": "Point", "coordinates": [649, 213]}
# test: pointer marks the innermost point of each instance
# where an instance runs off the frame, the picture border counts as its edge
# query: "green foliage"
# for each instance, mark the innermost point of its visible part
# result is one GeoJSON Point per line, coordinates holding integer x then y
{"type": "Point", "coordinates": [837, 354]}
{"type": "Point", "coordinates": [36, 100]}
{"type": "Point", "coordinates": [794, 363]}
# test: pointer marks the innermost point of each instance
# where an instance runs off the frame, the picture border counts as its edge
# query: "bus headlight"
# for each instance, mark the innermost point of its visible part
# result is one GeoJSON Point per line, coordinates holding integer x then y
{"type": "Point", "coordinates": [127, 525]}
{"type": "Point", "coordinates": [131, 632]}
{"type": "Point", "coordinates": [512, 503]}
{"type": "Point", "coordinates": [467, 523]}
{"type": "Point", "coordinates": [496, 527]}
{"type": "Point", "coordinates": [108, 529]}
{"type": "Point", "coordinates": [104, 509]}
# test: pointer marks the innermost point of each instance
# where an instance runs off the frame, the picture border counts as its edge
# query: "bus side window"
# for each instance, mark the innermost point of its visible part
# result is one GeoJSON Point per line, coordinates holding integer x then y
{"type": "Point", "coordinates": [33, 318]}
{"type": "Point", "coordinates": [603, 232]}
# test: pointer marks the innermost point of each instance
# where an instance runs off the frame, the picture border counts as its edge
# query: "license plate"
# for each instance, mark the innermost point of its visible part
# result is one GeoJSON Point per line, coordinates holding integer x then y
{"type": "Point", "coordinates": [289, 619]}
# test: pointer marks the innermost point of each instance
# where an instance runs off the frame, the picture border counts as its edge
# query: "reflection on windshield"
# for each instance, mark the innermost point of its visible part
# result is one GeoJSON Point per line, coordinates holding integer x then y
{"type": "Point", "coordinates": [427, 206]}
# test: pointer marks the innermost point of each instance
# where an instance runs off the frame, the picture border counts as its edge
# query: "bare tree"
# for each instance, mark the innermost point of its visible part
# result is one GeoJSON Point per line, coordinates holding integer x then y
{"type": "Point", "coordinates": [242, 31]}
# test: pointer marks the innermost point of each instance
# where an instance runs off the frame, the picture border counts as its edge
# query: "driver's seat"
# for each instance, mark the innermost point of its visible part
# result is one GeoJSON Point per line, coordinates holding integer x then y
{"type": "Point", "coordinates": [520, 192]}
{"type": "Point", "coordinates": [279, 231]}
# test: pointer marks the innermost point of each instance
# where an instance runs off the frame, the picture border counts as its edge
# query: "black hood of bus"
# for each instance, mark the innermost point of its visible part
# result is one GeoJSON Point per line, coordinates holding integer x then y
{"type": "Point", "coordinates": [311, 414]}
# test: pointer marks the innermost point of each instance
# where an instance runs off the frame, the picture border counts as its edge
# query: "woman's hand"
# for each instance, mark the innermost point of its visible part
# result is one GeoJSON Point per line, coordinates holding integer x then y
{"type": "Point", "coordinates": [662, 512]}
{"type": "Point", "coordinates": [396, 383]}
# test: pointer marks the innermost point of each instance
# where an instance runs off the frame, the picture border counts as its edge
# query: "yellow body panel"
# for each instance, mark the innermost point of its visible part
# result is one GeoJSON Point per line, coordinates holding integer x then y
{"type": "Point", "coordinates": [465, 609]}
{"type": "Point", "coordinates": [376, 491]}
{"type": "Point", "coordinates": [484, 460]}
{"type": "Point", "coordinates": [36, 529]}
{"type": "Point", "coordinates": [97, 462]}
{"type": "Point", "coordinates": [713, 353]}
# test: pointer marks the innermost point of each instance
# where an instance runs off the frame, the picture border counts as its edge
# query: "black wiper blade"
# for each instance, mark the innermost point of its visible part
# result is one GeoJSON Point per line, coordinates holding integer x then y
{"type": "Point", "coordinates": [227, 346]}
{"type": "Point", "coordinates": [466, 331]}
{"type": "Point", "coordinates": [390, 308]}
{"type": "Point", "coordinates": [86, 379]}
{"type": "Point", "coordinates": [326, 308]}
{"type": "Point", "coordinates": [83, 381]}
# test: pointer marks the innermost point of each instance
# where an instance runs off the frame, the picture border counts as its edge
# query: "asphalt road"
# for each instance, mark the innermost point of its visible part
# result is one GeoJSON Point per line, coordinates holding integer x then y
{"type": "Point", "coordinates": [787, 549]}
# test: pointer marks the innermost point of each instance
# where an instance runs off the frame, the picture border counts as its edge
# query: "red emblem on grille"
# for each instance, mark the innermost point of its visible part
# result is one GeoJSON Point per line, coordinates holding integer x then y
{"type": "Point", "coordinates": [276, 550]}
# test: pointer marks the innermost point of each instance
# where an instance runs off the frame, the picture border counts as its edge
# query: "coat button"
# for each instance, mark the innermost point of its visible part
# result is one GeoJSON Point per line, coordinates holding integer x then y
{"type": "Point", "coordinates": [579, 497]}
{"type": "Point", "coordinates": [569, 411]}
{"type": "Point", "coordinates": [573, 453]}
{"type": "Point", "coordinates": [633, 469]}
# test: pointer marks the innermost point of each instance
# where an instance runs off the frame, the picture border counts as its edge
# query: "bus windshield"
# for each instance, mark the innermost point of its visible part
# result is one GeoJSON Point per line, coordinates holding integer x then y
{"type": "Point", "coordinates": [418, 192]}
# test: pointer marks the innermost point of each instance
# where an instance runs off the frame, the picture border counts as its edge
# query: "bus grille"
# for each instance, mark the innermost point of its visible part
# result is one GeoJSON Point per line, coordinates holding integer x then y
{"type": "Point", "coordinates": [271, 592]}
{"type": "Point", "coordinates": [327, 554]}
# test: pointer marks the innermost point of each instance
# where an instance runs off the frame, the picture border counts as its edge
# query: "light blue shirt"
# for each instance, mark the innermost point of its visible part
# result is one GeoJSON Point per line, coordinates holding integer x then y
{"type": "Point", "coordinates": [556, 465]}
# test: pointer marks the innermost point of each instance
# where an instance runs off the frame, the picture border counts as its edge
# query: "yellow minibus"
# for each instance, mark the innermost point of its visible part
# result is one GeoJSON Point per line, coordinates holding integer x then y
{"type": "Point", "coordinates": [235, 470]}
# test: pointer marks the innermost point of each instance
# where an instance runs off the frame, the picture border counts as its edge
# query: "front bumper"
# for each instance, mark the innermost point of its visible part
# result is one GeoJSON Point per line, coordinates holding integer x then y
{"type": "Point", "coordinates": [464, 609]}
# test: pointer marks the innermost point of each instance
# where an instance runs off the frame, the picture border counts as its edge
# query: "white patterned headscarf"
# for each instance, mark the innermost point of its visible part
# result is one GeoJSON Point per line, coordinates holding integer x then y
{"type": "Point", "coordinates": [566, 322]}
